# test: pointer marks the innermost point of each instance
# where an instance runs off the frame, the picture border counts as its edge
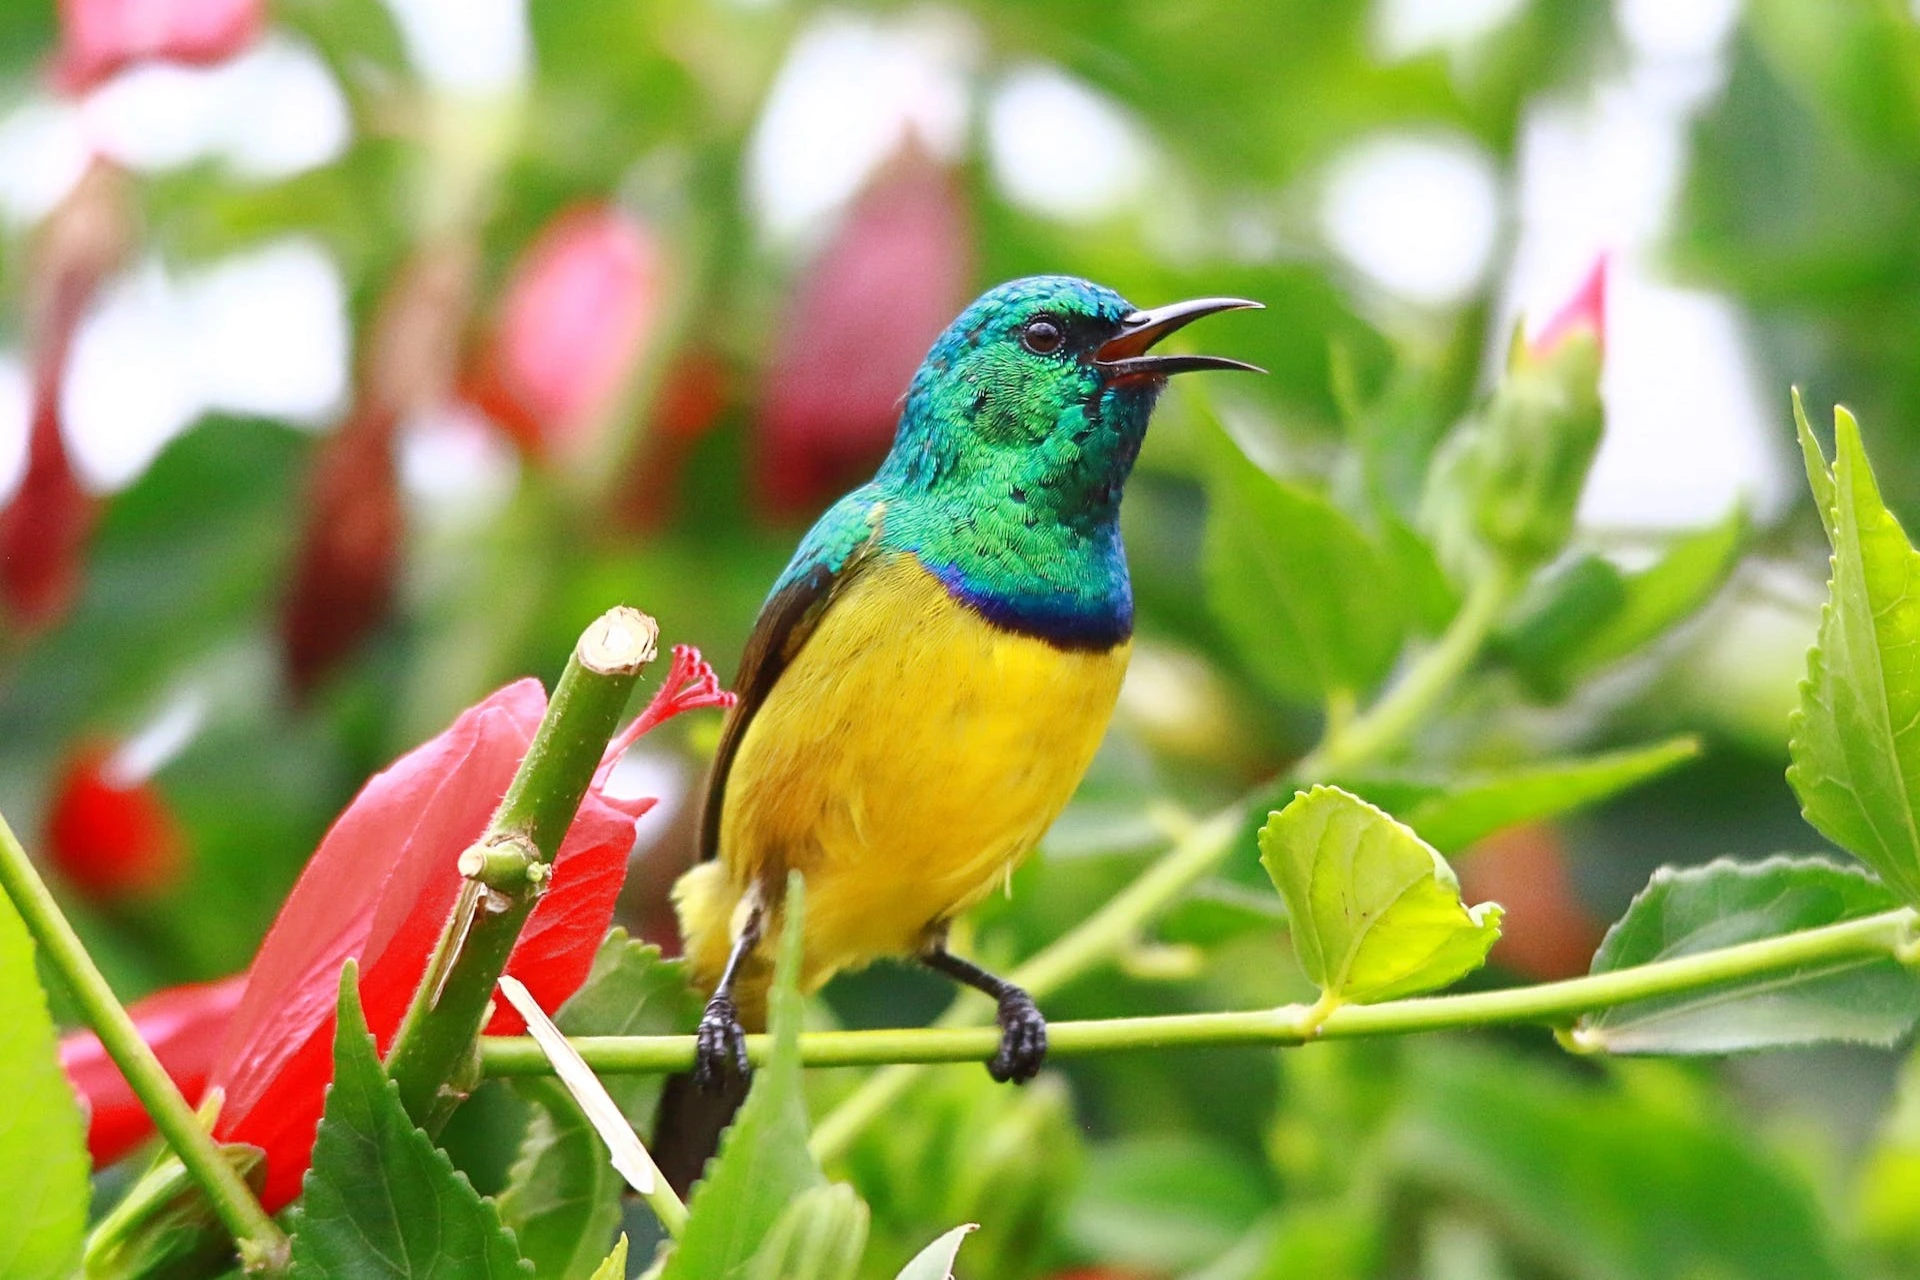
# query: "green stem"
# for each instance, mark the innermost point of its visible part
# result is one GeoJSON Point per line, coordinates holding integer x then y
{"type": "Point", "coordinates": [1389, 722]}
{"type": "Point", "coordinates": [262, 1245]}
{"type": "Point", "coordinates": [1888, 935]}
{"type": "Point", "coordinates": [508, 874]}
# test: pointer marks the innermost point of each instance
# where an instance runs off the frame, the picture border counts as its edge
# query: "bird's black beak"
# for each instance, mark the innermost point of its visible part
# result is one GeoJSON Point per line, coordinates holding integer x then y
{"type": "Point", "coordinates": [1125, 354]}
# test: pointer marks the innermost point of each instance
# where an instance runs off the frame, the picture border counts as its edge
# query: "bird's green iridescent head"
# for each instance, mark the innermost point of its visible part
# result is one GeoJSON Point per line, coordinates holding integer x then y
{"type": "Point", "coordinates": [1015, 441]}
{"type": "Point", "coordinates": [1042, 385]}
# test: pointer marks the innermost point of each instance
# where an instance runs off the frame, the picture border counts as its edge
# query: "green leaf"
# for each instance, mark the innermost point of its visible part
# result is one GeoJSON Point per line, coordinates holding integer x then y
{"type": "Point", "coordinates": [1682, 912]}
{"type": "Point", "coordinates": [43, 1149]}
{"type": "Point", "coordinates": [1693, 568]}
{"type": "Point", "coordinates": [1586, 1179]}
{"type": "Point", "coordinates": [1375, 910]}
{"type": "Point", "coordinates": [562, 1198]}
{"type": "Point", "coordinates": [1296, 585]}
{"type": "Point", "coordinates": [935, 1262]}
{"type": "Point", "coordinates": [1166, 1203]}
{"type": "Point", "coordinates": [1551, 620]}
{"type": "Point", "coordinates": [381, 1201]}
{"type": "Point", "coordinates": [1453, 815]}
{"type": "Point", "coordinates": [1856, 753]}
{"type": "Point", "coordinates": [764, 1163]}
{"type": "Point", "coordinates": [615, 1266]}
{"type": "Point", "coordinates": [821, 1236]}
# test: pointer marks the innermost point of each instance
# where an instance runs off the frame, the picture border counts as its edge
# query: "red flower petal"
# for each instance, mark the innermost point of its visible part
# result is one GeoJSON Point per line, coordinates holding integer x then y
{"type": "Point", "coordinates": [1548, 932]}
{"type": "Point", "coordinates": [378, 889]}
{"type": "Point", "coordinates": [184, 1025]}
{"type": "Point", "coordinates": [572, 321]}
{"type": "Point", "coordinates": [1585, 311]}
{"type": "Point", "coordinates": [108, 838]}
{"type": "Point", "coordinates": [99, 37]}
{"type": "Point", "coordinates": [861, 321]}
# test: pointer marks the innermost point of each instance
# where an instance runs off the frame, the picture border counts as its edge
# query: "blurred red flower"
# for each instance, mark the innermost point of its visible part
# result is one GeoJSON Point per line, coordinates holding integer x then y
{"type": "Point", "coordinates": [379, 889]}
{"type": "Point", "coordinates": [348, 564]}
{"type": "Point", "coordinates": [184, 1025]}
{"type": "Point", "coordinates": [1548, 932]}
{"type": "Point", "coordinates": [109, 835]}
{"type": "Point", "coordinates": [574, 318]}
{"type": "Point", "coordinates": [866, 311]}
{"type": "Point", "coordinates": [99, 37]}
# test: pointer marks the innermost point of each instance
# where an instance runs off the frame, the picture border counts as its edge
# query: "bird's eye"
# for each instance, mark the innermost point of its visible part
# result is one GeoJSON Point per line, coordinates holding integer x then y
{"type": "Point", "coordinates": [1042, 336]}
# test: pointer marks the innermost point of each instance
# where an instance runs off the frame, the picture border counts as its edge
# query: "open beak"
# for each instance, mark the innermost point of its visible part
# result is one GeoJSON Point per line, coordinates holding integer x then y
{"type": "Point", "coordinates": [1125, 354]}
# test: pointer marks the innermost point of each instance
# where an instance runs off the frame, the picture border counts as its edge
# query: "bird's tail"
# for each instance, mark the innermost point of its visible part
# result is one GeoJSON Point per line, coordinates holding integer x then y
{"type": "Point", "coordinates": [688, 1125]}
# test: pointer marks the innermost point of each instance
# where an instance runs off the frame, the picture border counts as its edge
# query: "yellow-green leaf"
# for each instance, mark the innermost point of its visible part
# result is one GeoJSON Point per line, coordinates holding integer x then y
{"type": "Point", "coordinates": [1375, 911]}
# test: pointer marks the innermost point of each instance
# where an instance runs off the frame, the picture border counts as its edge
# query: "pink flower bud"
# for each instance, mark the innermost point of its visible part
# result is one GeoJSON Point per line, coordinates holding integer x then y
{"type": "Point", "coordinates": [573, 320]}
{"type": "Point", "coordinates": [99, 37]}
{"type": "Point", "coordinates": [1584, 312]}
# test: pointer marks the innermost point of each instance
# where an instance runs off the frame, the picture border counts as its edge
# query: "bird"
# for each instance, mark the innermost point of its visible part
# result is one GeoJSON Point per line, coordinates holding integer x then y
{"type": "Point", "coordinates": [931, 674]}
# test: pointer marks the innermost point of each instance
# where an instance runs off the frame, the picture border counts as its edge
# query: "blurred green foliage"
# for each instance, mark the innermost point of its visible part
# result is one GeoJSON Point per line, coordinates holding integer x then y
{"type": "Point", "coordinates": [1419, 1159]}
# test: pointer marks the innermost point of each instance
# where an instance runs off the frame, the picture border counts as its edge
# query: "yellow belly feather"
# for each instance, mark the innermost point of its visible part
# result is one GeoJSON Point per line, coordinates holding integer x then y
{"type": "Point", "coordinates": [906, 760]}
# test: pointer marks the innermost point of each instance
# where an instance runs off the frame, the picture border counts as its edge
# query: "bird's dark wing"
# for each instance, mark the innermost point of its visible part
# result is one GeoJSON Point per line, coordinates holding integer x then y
{"type": "Point", "coordinates": [786, 620]}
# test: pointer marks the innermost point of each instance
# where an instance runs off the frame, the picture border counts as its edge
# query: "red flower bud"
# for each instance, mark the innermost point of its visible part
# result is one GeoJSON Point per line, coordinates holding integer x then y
{"type": "Point", "coordinates": [184, 1025]}
{"type": "Point", "coordinates": [860, 322]}
{"type": "Point", "coordinates": [349, 558]}
{"type": "Point", "coordinates": [99, 37]}
{"type": "Point", "coordinates": [574, 318]}
{"type": "Point", "coordinates": [379, 890]}
{"type": "Point", "coordinates": [44, 530]}
{"type": "Point", "coordinates": [111, 836]}
{"type": "Point", "coordinates": [1584, 312]}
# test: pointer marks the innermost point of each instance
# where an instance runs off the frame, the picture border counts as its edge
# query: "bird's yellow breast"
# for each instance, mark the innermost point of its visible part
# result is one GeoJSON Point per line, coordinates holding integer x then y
{"type": "Point", "coordinates": [908, 757]}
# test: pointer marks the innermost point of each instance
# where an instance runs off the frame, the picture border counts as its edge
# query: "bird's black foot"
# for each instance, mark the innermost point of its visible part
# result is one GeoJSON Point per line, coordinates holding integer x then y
{"type": "Point", "coordinates": [1023, 1039]}
{"type": "Point", "coordinates": [720, 1044]}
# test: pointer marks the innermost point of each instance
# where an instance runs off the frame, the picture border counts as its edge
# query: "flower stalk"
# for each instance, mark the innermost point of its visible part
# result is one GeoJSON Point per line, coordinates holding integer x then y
{"type": "Point", "coordinates": [1888, 935]}
{"type": "Point", "coordinates": [262, 1245]}
{"type": "Point", "coordinates": [506, 872]}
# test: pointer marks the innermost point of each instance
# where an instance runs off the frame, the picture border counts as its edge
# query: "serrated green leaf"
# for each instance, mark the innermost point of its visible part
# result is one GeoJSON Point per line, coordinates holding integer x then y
{"type": "Point", "coordinates": [935, 1262]}
{"type": "Point", "coordinates": [43, 1149]}
{"type": "Point", "coordinates": [821, 1236]}
{"type": "Point", "coordinates": [1375, 910]}
{"type": "Point", "coordinates": [1723, 903]}
{"type": "Point", "coordinates": [764, 1163]}
{"type": "Point", "coordinates": [1454, 815]}
{"type": "Point", "coordinates": [615, 1265]}
{"type": "Point", "coordinates": [562, 1198]}
{"type": "Point", "coordinates": [1296, 584]}
{"type": "Point", "coordinates": [381, 1201]}
{"type": "Point", "coordinates": [1853, 739]}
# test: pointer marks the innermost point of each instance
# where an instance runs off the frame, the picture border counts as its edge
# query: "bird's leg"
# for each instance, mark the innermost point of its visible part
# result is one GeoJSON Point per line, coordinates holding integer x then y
{"type": "Point", "coordinates": [721, 1041]}
{"type": "Point", "coordinates": [1023, 1032]}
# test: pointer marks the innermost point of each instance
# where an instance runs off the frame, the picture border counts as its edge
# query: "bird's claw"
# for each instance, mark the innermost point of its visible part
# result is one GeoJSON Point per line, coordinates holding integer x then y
{"type": "Point", "coordinates": [720, 1044]}
{"type": "Point", "coordinates": [1023, 1040]}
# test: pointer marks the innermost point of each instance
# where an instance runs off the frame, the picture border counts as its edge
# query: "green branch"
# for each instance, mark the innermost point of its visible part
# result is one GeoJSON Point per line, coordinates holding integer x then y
{"type": "Point", "coordinates": [1388, 723]}
{"type": "Point", "coordinates": [507, 870]}
{"type": "Point", "coordinates": [1887, 935]}
{"type": "Point", "coordinates": [262, 1245]}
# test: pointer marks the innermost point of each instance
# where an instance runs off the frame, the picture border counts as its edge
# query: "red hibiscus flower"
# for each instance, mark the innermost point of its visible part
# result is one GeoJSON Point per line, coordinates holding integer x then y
{"type": "Point", "coordinates": [184, 1025]}
{"type": "Point", "coordinates": [379, 889]}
